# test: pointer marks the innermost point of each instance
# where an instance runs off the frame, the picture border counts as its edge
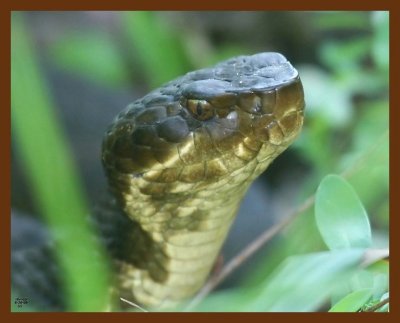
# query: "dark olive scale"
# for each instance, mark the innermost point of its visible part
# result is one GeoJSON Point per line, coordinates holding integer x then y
{"type": "Point", "coordinates": [173, 129]}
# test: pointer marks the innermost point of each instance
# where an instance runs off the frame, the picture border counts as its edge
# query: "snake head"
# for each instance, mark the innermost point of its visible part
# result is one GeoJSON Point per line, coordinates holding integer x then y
{"type": "Point", "coordinates": [209, 123]}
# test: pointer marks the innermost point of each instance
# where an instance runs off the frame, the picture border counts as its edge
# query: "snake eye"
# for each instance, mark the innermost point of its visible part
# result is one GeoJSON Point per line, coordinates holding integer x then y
{"type": "Point", "coordinates": [200, 109]}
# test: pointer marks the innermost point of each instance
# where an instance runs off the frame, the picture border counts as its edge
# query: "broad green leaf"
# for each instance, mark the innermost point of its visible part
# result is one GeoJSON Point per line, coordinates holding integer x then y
{"type": "Point", "coordinates": [302, 283]}
{"type": "Point", "coordinates": [375, 278]}
{"type": "Point", "coordinates": [379, 267]}
{"type": "Point", "coordinates": [340, 215]}
{"type": "Point", "coordinates": [353, 301]}
{"type": "Point", "coordinates": [365, 279]}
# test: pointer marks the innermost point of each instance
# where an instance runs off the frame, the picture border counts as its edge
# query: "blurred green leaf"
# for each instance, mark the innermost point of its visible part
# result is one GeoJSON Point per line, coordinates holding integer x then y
{"type": "Point", "coordinates": [93, 55]}
{"type": "Point", "coordinates": [366, 82]}
{"type": "Point", "coordinates": [313, 144]}
{"type": "Point", "coordinates": [53, 178]}
{"type": "Point", "coordinates": [380, 49]}
{"type": "Point", "coordinates": [340, 215]}
{"type": "Point", "coordinates": [156, 45]}
{"type": "Point", "coordinates": [324, 97]}
{"type": "Point", "coordinates": [380, 267]}
{"type": "Point", "coordinates": [384, 308]}
{"type": "Point", "coordinates": [376, 282]}
{"type": "Point", "coordinates": [338, 20]}
{"type": "Point", "coordinates": [300, 237]}
{"type": "Point", "coordinates": [299, 284]}
{"type": "Point", "coordinates": [225, 301]}
{"type": "Point", "coordinates": [353, 301]}
{"type": "Point", "coordinates": [370, 142]}
{"type": "Point", "coordinates": [344, 57]}
{"type": "Point", "coordinates": [302, 283]}
{"type": "Point", "coordinates": [380, 284]}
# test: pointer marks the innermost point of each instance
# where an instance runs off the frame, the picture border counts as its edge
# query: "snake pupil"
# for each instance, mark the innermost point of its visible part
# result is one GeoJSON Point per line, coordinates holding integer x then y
{"type": "Point", "coordinates": [199, 109]}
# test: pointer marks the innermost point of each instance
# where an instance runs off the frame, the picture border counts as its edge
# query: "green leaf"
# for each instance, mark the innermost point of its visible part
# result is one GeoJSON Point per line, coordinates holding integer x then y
{"type": "Point", "coordinates": [92, 55]}
{"type": "Point", "coordinates": [363, 279]}
{"type": "Point", "coordinates": [340, 20]}
{"type": "Point", "coordinates": [318, 86]}
{"type": "Point", "coordinates": [302, 283]}
{"type": "Point", "coordinates": [379, 267]}
{"type": "Point", "coordinates": [340, 215]}
{"type": "Point", "coordinates": [344, 56]}
{"type": "Point", "coordinates": [299, 284]}
{"type": "Point", "coordinates": [370, 178]}
{"type": "Point", "coordinates": [225, 301]}
{"type": "Point", "coordinates": [353, 301]}
{"type": "Point", "coordinates": [156, 44]}
{"type": "Point", "coordinates": [380, 48]}
{"type": "Point", "coordinates": [384, 308]}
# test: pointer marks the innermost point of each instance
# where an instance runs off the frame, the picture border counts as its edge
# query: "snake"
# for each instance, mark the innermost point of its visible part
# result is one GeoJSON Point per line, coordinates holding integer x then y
{"type": "Point", "coordinates": [178, 162]}
{"type": "Point", "coordinates": [180, 159]}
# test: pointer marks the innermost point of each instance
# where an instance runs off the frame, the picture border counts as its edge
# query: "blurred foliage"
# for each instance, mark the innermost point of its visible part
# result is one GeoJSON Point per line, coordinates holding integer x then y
{"type": "Point", "coordinates": [298, 284]}
{"type": "Point", "coordinates": [94, 55]}
{"type": "Point", "coordinates": [304, 282]}
{"type": "Point", "coordinates": [158, 47]}
{"type": "Point", "coordinates": [346, 132]}
{"type": "Point", "coordinates": [53, 178]}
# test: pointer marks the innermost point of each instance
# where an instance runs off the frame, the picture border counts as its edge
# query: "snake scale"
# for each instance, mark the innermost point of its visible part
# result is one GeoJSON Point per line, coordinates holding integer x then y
{"type": "Point", "coordinates": [179, 161]}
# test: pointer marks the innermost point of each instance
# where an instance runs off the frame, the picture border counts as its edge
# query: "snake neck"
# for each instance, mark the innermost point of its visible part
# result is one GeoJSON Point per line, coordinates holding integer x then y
{"type": "Point", "coordinates": [173, 242]}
